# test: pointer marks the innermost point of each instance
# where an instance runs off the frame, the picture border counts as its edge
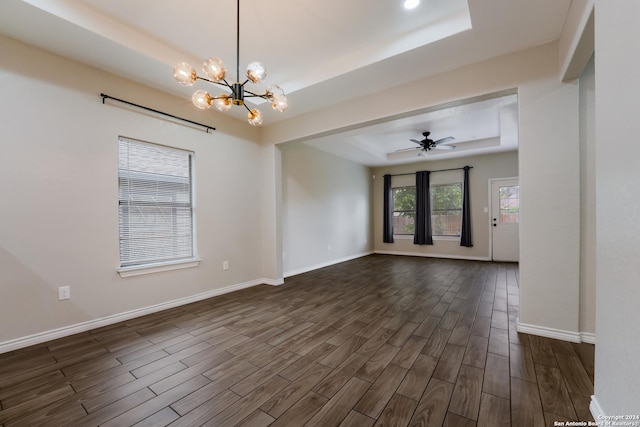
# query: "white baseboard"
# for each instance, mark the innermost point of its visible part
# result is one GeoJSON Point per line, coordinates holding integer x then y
{"type": "Point", "coordinates": [65, 331]}
{"type": "Point", "coordinates": [544, 331]}
{"type": "Point", "coordinates": [588, 337]}
{"type": "Point", "coordinates": [421, 254]}
{"type": "Point", "coordinates": [324, 264]}
{"type": "Point", "coordinates": [596, 411]}
{"type": "Point", "coordinates": [272, 282]}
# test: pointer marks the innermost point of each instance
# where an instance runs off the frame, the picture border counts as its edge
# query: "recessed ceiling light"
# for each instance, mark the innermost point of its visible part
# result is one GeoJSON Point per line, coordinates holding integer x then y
{"type": "Point", "coordinates": [411, 4]}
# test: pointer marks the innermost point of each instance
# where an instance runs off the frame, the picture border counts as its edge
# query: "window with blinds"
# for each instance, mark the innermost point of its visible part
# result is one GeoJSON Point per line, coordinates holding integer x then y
{"type": "Point", "coordinates": [155, 203]}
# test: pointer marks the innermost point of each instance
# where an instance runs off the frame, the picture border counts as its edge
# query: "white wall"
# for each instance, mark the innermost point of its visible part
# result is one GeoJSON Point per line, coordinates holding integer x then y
{"type": "Point", "coordinates": [499, 165]}
{"type": "Point", "coordinates": [326, 209]}
{"type": "Point", "coordinates": [617, 370]}
{"type": "Point", "coordinates": [59, 223]}
{"type": "Point", "coordinates": [587, 203]}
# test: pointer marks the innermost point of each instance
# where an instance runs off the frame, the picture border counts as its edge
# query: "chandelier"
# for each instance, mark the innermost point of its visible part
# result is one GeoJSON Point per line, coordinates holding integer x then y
{"type": "Point", "coordinates": [216, 72]}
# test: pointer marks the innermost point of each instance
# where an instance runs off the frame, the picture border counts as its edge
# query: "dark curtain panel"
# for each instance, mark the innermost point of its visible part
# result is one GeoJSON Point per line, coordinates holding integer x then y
{"type": "Point", "coordinates": [387, 232]}
{"type": "Point", "coordinates": [422, 235]}
{"type": "Point", "coordinates": [465, 234]}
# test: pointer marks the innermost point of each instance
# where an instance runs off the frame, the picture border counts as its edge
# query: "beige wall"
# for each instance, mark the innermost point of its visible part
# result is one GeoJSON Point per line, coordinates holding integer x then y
{"type": "Point", "coordinates": [326, 209]}
{"type": "Point", "coordinates": [73, 128]}
{"type": "Point", "coordinates": [588, 203]}
{"type": "Point", "coordinates": [548, 166]}
{"type": "Point", "coordinates": [501, 165]}
{"type": "Point", "coordinates": [617, 102]}
{"type": "Point", "coordinates": [549, 157]}
{"type": "Point", "coordinates": [59, 216]}
{"type": "Point", "coordinates": [271, 213]}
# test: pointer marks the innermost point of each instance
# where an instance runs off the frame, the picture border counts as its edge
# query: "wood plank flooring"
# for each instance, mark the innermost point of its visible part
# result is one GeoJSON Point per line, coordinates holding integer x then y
{"type": "Point", "coordinates": [377, 341]}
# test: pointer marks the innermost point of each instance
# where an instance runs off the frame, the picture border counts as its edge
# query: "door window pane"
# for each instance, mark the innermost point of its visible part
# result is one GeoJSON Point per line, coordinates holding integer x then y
{"type": "Point", "coordinates": [509, 204]}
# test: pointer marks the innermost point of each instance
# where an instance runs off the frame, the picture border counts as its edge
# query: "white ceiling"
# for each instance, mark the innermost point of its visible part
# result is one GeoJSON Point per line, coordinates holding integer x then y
{"type": "Point", "coordinates": [480, 125]}
{"type": "Point", "coordinates": [320, 53]}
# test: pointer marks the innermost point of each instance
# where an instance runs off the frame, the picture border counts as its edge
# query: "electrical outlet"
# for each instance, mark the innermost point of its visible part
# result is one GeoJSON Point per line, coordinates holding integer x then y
{"type": "Point", "coordinates": [225, 265]}
{"type": "Point", "coordinates": [64, 292]}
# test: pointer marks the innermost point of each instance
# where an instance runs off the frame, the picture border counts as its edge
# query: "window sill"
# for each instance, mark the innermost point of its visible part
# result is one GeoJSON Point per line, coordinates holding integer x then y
{"type": "Point", "coordinates": [452, 238]}
{"type": "Point", "coordinates": [410, 237]}
{"type": "Point", "coordinates": [403, 237]}
{"type": "Point", "coordinates": [138, 270]}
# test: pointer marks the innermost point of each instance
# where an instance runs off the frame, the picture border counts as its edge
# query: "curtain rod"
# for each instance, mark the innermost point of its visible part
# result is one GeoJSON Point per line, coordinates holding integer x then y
{"type": "Point", "coordinates": [440, 170]}
{"type": "Point", "coordinates": [207, 127]}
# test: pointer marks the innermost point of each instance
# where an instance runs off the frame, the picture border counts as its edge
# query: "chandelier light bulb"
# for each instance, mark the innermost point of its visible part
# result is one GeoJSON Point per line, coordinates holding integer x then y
{"type": "Point", "coordinates": [223, 103]}
{"type": "Point", "coordinates": [274, 91]}
{"type": "Point", "coordinates": [280, 104]}
{"type": "Point", "coordinates": [256, 72]}
{"type": "Point", "coordinates": [255, 117]}
{"type": "Point", "coordinates": [277, 97]}
{"type": "Point", "coordinates": [202, 99]}
{"type": "Point", "coordinates": [184, 74]}
{"type": "Point", "coordinates": [214, 69]}
{"type": "Point", "coordinates": [234, 93]}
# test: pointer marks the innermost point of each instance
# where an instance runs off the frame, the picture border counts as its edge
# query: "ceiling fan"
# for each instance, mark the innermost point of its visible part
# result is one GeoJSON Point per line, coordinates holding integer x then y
{"type": "Point", "coordinates": [428, 144]}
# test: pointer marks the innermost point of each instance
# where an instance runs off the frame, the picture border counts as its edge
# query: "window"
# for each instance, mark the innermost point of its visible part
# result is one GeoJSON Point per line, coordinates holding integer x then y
{"type": "Point", "coordinates": [155, 194]}
{"type": "Point", "coordinates": [446, 209]}
{"type": "Point", "coordinates": [509, 204]}
{"type": "Point", "coordinates": [404, 210]}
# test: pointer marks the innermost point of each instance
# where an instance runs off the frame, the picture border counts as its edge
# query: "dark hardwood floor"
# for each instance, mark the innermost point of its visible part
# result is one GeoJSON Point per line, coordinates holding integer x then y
{"type": "Point", "coordinates": [381, 340]}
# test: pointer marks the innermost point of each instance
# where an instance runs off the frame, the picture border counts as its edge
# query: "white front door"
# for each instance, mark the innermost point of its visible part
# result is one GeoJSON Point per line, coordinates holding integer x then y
{"type": "Point", "coordinates": [505, 219]}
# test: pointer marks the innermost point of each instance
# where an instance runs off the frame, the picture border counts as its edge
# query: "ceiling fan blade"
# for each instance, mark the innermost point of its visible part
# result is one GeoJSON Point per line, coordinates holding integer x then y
{"type": "Point", "coordinates": [416, 141]}
{"type": "Point", "coordinates": [407, 149]}
{"type": "Point", "coordinates": [444, 147]}
{"type": "Point", "coordinates": [444, 140]}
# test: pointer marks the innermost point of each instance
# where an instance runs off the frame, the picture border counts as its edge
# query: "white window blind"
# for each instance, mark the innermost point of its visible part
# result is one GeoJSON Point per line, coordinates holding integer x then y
{"type": "Point", "coordinates": [155, 203]}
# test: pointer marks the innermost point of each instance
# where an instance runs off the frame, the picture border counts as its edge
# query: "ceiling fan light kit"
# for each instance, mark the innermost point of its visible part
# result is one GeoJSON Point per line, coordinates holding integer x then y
{"type": "Point", "coordinates": [215, 72]}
